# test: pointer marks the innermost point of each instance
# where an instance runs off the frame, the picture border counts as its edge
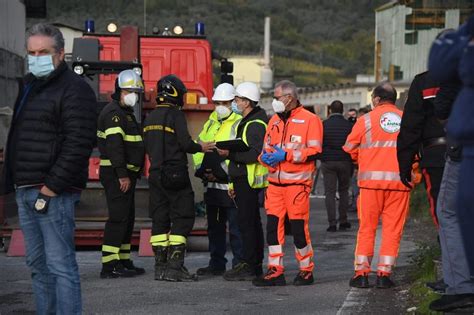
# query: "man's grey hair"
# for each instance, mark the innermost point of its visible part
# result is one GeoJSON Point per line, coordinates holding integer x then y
{"type": "Point", "coordinates": [287, 87]}
{"type": "Point", "coordinates": [48, 30]}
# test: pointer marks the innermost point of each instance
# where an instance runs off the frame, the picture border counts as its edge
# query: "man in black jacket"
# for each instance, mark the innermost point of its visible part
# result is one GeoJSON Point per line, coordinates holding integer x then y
{"type": "Point", "coordinates": [422, 134]}
{"type": "Point", "coordinates": [122, 154]}
{"type": "Point", "coordinates": [336, 165]}
{"type": "Point", "coordinates": [167, 141]}
{"type": "Point", "coordinates": [47, 153]}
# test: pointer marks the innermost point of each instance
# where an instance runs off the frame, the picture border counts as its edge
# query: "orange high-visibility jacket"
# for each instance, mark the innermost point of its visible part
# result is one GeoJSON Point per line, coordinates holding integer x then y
{"type": "Point", "coordinates": [373, 145]}
{"type": "Point", "coordinates": [300, 136]}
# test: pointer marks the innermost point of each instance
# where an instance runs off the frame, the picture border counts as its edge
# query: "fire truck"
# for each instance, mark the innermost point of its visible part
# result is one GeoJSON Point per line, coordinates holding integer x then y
{"type": "Point", "coordinates": [98, 58]}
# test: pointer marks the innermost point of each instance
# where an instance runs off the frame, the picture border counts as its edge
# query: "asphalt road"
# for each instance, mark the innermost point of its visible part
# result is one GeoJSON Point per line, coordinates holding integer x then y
{"type": "Point", "coordinates": [142, 295]}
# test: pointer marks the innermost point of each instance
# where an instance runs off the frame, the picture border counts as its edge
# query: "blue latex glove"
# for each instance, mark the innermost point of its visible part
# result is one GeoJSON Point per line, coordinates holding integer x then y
{"type": "Point", "coordinates": [268, 159]}
{"type": "Point", "coordinates": [279, 155]}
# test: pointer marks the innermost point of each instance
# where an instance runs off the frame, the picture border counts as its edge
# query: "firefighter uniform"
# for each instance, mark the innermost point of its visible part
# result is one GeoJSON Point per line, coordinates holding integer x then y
{"type": "Point", "coordinates": [121, 155]}
{"type": "Point", "coordinates": [219, 206]}
{"type": "Point", "coordinates": [421, 133]}
{"type": "Point", "coordinates": [373, 145]}
{"type": "Point", "coordinates": [299, 134]}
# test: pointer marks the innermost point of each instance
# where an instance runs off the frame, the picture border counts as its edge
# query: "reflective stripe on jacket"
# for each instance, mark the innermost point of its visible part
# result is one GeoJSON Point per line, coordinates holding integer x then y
{"type": "Point", "coordinates": [301, 137]}
{"type": "Point", "coordinates": [373, 145]}
{"type": "Point", "coordinates": [257, 174]}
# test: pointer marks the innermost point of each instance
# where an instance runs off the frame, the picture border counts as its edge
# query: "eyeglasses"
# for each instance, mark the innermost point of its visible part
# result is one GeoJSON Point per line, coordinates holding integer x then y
{"type": "Point", "coordinates": [279, 97]}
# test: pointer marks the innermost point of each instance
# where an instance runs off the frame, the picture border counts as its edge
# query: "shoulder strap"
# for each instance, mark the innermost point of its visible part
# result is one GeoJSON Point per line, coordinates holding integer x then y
{"type": "Point", "coordinates": [244, 134]}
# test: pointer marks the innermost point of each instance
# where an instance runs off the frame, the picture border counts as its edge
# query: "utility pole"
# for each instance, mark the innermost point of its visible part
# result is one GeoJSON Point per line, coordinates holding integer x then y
{"type": "Point", "coordinates": [144, 16]}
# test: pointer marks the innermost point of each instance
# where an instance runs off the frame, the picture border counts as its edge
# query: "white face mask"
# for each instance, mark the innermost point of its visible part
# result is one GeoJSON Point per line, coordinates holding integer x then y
{"type": "Point", "coordinates": [130, 99]}
{"type": "Point", "coordinates": [278, 106]}
{"type": "Point", "coordinates": [222, 111]}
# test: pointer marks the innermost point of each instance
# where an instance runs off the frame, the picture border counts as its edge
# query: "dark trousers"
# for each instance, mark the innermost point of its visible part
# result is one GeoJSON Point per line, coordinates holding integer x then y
{"type": "Point", "coordinates": [337, 176]}
{"type": "Point", "coordinates": [432, 178]}
{"type": "Point", "coordinates": [121, 208]}
{"type": "Point", "coordinates": [217, 218]}
{"type": "Point", "coordinates": [172, 211]}
{"type": "Point", "coordinates": [250, 223]}
{"type": "Point", "coordinates": [466, 207]}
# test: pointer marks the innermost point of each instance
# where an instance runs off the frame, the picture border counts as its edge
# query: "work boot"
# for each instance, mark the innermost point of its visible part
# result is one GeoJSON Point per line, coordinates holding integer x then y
{"type": "Point", "coordinates": [161, 258]}
{"type": "Point", "coordinates": [304, 278]}
{"type": "Point", "coordinates": [115, 270]}
{"type": "Point", "coordinates": [210, 271]}
{"type": "Point", "coordinates": [384, 281]}
{"type": "Point", "coordinates": [437, 286]}
{"type": "Point", "coordinates": [241, 272]}
{"type": "Point", "coordinates": [175, 270]}
{"type": "Point", "coordinates": [332, 228]}
{"type": "Point", "coordinates": [274, 277]}
{"type": "Point", "coordinates": [360, 280]}
{"type": "Point", "coordinates": [128, 264]}
{"type": "Point", "coordinates": [344, 226]}
{"type": "Point", "coordinates": [451, 302]}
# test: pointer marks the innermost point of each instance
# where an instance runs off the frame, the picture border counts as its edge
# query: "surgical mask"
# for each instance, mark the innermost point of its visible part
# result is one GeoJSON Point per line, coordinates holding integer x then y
{"type": "Point", "coordinates": [130, 99]}
{"type": "Point", "coordinates": [222, 111]}
{"type": "Point", "coordinates": [278, 106]}
{"type": "Point", "coordinates": [236, 108]}
{"type": "Point", "coordinates": [40, 66]}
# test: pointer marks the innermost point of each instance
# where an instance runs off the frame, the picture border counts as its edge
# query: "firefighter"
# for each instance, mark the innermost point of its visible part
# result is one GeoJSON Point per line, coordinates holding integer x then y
{"type": "Point", "coordinates": [420, 131]}
{"type": "Point", "coordinates": [221, 125]}
{"type": "Point", "coordinates": [167, 141]}
{"type": "Point", "coordinates": [372, 144]}
{"type": "Point", "coordinates": [293, 138]}
{"type": "Point", "coordinates": [121, 160]}
{"type": "Point", "coordinates": [248, 179]}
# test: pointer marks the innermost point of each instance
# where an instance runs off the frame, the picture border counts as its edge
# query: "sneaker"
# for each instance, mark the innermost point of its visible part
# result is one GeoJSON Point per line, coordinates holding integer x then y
{"type": "Point", "coordinates": [241, 272]}
{"type": "Point", "coordinates": [116, 271]}
{"type": "Point", "coordinates": [360, 281]}
{"type": "Point", "coordinates": [304, 278]}
{"type": "Point", "coordinates": [128, 264]}
{"type": "Point", "coordinates": [210, 271]}
{"type": "Point", "coordinates": [451, 302]}
{"type": "Point", "coordinates": [437, 286]}
{"type": "Point", "coordinates": [331, 228]}
{"type": "Point", "coordinates": [344, 226]}
{"type": "Point", "coordinates": [384, 281]}
{"type": "Point", "coordinates": [274, 277]}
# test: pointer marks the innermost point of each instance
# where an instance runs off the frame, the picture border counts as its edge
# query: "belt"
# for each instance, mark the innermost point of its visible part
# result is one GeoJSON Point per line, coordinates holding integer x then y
{"type": "Point", "coordinates": [428, 143]}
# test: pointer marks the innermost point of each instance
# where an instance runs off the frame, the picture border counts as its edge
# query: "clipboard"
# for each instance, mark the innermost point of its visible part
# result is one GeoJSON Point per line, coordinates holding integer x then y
{"type": "Point", "coordinates": [236, 145]}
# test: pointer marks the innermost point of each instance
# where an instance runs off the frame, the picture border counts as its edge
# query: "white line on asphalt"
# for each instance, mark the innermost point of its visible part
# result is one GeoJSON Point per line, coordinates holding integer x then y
{"type": "Point", "coordinates": [355, 298]}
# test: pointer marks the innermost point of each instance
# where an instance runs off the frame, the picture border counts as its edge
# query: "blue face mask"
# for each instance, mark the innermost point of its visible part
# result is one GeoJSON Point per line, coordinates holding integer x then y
{"type": "Point", "coordinates": [236, 108]}
{"type": "Point", "coordinates": [40, 66]}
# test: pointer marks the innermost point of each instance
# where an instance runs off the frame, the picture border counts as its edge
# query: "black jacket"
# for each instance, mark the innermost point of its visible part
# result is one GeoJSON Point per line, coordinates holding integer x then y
{"type": "Point", "coordinates": [255, 137]}
{"type": "Point", "coordinates": [335, 131]}
{"type": "Point", "coordinates": [52, 133]}
{"type": "Point", "coordinates": [177, 141]}
{"type": "Point", "coordinates": [120, 139]}
{"type": "Point", "coordinates": [419, 125]}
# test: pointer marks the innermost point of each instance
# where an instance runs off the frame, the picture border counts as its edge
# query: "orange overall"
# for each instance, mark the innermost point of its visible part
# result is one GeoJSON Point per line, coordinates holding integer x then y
{"type": "Point", "coordinates": [373, 145]}
{"type": "Point", "coordinates": [290, 182]}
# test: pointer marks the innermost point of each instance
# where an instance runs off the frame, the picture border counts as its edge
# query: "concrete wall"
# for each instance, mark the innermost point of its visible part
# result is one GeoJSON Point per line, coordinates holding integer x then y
{"type": "Point", "coordinates": [247, 68]}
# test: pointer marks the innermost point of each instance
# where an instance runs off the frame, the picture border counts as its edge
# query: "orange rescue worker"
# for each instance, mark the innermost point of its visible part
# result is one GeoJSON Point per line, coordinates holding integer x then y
{"type": "Point", "coordinates": [373, 145]}
{"type": "Point", "coordinates": [292, 140]}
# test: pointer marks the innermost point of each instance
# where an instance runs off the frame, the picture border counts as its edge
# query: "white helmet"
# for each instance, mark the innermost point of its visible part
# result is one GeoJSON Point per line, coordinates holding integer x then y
{"type": "Point", "coordinates": [224, 92]}
{"type": "Point", "coordinates": [130, 80]}
{"type": "Point", "coordinates": [248, 90]}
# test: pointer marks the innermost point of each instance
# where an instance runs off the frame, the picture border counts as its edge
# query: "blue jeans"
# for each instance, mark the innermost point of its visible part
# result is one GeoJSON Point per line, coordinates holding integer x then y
{"type": "Point", "coordinates": [466, 206]}
{"type": "Point", "coordinates": [455, 267]}
{"type": "Point", "coordinates": [50, 252]}
{"type": "Point", "coordinates": [217, 218]}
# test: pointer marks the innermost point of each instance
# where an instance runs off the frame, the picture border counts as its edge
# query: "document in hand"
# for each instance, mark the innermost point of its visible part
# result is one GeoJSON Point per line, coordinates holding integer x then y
{"type": "Point", "coordinates": [235, 145]}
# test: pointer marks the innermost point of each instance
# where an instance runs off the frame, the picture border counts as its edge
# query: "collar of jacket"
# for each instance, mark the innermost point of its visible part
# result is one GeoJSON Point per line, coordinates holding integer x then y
{"type": "Point", "coordinates": [232, 117]}
{"type": "Point", "coordinates": [385, 104]}
{"type": "Point", "coordinates": [251, 115]}
{"type": "Point", "coordinates": [335, 115]}
{"type": "Point", "coordinates": [286, 115]}
{"type": "Point", "coordinates": [123, 107]}
{"type": "Point", "coordinates": [29, 78]}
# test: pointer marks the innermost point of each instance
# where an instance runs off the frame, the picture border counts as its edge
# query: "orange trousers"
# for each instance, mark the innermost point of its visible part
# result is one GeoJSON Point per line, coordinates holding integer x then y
{"type": "Point", "coordinates": [389, 206]}
{"type": "Point", "coordinates": [291, 201]}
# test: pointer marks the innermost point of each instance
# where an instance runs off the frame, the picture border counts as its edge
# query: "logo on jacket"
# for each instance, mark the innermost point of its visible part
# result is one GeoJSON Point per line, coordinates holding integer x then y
{"type": "Point", "coordinates": [115, 118]}
{"type": "Point", "coordinates": [390, 122]}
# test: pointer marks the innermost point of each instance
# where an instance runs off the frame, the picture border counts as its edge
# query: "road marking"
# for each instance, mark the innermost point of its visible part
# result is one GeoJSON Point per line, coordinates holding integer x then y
{"type": "Point", "coordinates": [354, 299]}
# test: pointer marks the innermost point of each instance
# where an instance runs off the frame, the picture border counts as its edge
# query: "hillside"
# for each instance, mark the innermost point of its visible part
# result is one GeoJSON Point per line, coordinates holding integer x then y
{"type": "Point", "coordinates": [326, 40]}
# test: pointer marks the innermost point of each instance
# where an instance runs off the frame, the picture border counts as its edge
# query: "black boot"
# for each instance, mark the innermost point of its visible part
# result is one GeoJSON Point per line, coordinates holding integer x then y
{"type": "Point", "coordinates": [360, 281]}
{"type": "Point", "coordinates": [161, 259]}
{"type": "Point", "coordinates": [175, 270]}
{"type": "Point", "coordinates": [128, 264]}
{"type": "Point", "coordinates": [115, 269]}
{"type": "Point", "coordinates": [241, 272]}
{"type": "Point", "coordinates": [451, 302]}
{"type": "Point", "coordinates": [274, 277]}
{"type": "Point", "coordinates": [384, 281]}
